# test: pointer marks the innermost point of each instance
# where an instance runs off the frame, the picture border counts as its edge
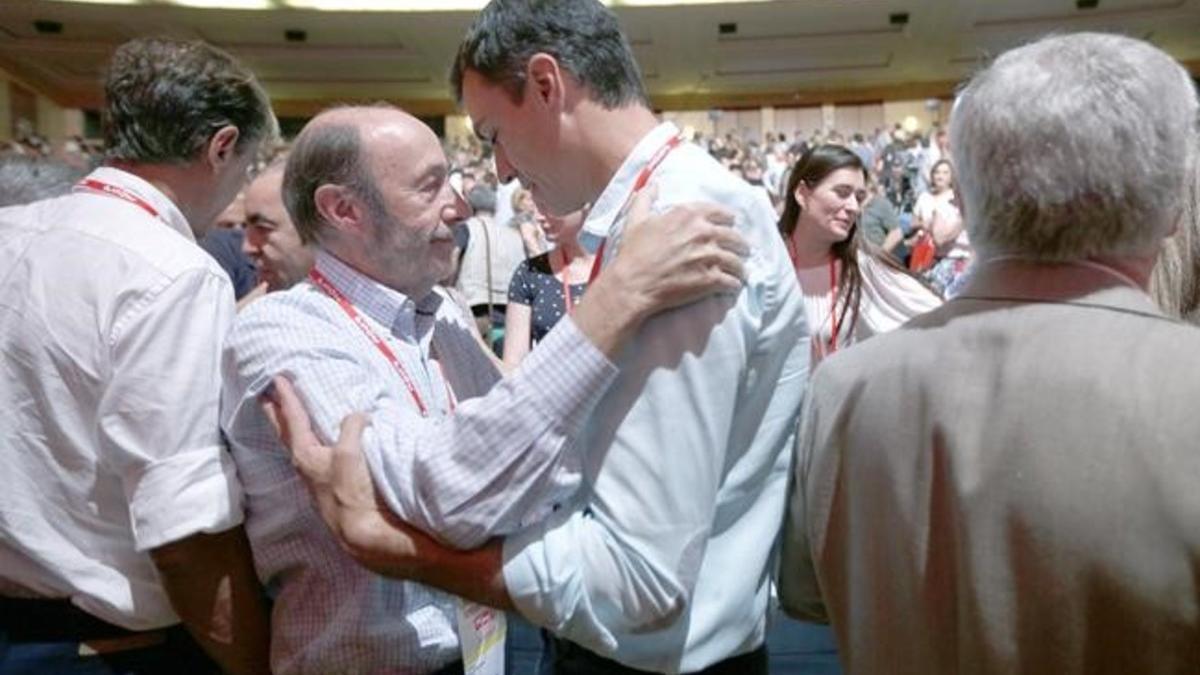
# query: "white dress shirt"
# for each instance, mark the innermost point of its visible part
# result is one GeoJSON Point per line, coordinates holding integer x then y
{"type": "Point", "coordinates": [663, 563]}
{"type": "Point", "coordinates": [504, 457]}
{"type": "Point", "coordinates": [111, 322]}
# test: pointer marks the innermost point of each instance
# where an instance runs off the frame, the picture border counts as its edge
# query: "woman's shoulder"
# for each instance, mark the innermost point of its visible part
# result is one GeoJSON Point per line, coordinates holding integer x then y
{"type": "Point", "coordinates": [882, 273]}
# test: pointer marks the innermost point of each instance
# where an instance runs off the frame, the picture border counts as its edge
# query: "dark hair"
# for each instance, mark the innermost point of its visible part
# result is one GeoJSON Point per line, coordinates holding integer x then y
{"type": "Point", "coordinates": [165, 98]}
{"type": "Point", "coordinates": [814, 166]}
{"type": "Point", "coordinates": [583, 35]}
{"type": "Point", "coordinates": [933, 169]}
{"type": "Point", "coordinates": [325, 154]}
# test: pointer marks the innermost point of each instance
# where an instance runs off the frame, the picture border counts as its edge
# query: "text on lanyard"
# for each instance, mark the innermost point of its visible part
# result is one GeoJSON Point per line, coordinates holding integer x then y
{"type": "Point", "coordinates": [116, 191]}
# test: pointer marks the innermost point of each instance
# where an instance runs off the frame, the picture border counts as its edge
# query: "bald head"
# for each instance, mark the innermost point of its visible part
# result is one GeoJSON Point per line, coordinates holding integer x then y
{"type": "Point", "coordinates": [370, 186]}
{"type": "Point", "coordinates": [346, 146]}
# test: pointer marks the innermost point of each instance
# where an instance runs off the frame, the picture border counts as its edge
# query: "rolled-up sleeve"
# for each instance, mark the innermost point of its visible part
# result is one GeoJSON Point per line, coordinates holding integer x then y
{"type": "Point", "coordinates": [628, 559]}
{"type": "Point", "coordinates": [159, 414]}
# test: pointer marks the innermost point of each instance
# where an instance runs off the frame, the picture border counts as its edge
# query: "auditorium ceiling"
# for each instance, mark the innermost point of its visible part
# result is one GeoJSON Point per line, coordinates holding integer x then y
{"type": "Point", "coordinates": [694, 54]}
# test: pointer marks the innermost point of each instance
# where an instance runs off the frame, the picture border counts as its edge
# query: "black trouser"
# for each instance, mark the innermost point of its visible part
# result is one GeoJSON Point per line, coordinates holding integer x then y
{"type": "Point", "coordinates": [54, 636]}
{"type": "Point", "coordinates": [568, 658]}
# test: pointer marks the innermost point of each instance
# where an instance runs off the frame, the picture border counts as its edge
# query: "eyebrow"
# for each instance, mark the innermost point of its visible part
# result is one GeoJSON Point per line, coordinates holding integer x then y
{"type": "Point", "coordinates": [260, 219]}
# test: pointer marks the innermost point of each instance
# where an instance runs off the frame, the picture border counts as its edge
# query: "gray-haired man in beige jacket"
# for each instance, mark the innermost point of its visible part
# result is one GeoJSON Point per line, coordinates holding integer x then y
{"type": "Point", "coordinates": [1011, 483]}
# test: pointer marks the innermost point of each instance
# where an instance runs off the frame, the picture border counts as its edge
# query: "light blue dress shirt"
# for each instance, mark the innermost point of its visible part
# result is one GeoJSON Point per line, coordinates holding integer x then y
{"type": "Point", "coordinates": [663, 561]}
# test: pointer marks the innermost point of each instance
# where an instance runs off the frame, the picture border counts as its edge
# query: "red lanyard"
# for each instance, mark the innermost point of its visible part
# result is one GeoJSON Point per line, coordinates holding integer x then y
{"type": "Point", "coordinates": [643, 177]}
{"type": "Point", "coordinates": [332, 291]}
{"type": "Point", "coordinates": [566, 282]}
{"type": "Point", "coordinates": [115, 191]}
{"type": "Point", "coordinates": [833, 315]}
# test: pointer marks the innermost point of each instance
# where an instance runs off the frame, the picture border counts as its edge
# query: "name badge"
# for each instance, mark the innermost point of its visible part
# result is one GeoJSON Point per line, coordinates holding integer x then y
{"type": "Point", "coordinates": [481, 633]}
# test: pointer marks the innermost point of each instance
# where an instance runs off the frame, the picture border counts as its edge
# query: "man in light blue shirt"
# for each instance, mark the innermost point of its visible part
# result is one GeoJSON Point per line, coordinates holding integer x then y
{"type": "Point", "coordinates": [459, 450]}
{"type": "Point", "coordinates": [662, 560]}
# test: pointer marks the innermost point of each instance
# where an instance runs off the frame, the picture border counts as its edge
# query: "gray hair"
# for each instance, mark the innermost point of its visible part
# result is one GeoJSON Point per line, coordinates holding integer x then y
{"type": "Point", "coordinates": [1175, 282]}
{"type": "Point", "coordinates": [1074, 146]}
{"type": "Point", "coordinates": [326, 154]}
{"type": "Point", "coordinates": [25, 179]}
{"type": "Point", "coordinates": [166, 98]}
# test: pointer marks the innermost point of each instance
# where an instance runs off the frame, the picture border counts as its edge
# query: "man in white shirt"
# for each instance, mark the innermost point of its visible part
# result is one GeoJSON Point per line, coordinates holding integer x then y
{"type": "Point", "coordinates": [465, 454]}
{"type": "Point", "coordinates": [121, 511]}
{"type": "Point", "coordinates": [662, 561]}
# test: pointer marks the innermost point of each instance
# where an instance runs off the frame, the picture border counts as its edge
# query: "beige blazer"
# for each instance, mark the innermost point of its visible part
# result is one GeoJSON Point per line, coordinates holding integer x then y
{"type": "Point", "coordinates": [1008, 484]}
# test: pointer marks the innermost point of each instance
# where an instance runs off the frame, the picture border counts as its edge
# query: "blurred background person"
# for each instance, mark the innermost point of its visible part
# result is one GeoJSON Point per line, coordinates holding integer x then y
{"type": "Point", "coordinates": [491, 256]}
{"type": "Point", "coordinates": [546, 286]}
{"type": "Point", "coordinates": [280, 257]}
{"type": "Point", "coordinates": [30, 178]}
{"type": "Point", "coordinates": [879, 222]}
{"type": "Point", "coordinates": [941, 241]}
{"type": "Point", "coordinates": [526, 219]}
{"type": "Point", "coordinates": [224, 241]}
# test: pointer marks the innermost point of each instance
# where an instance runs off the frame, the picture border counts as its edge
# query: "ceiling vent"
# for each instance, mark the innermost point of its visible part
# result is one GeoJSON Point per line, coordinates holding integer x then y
{"type": "Point", "coordinates": [898, 19]}
{"type": "Point", "coordinates": [295, 35]}
{"type": "Point", "coordinates": [47, 27]}
{"type": "Point", "coordinates": [727, 28]}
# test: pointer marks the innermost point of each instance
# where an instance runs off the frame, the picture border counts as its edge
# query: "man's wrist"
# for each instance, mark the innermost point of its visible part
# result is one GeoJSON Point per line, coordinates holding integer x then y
{"type": "Point", "coordinates": [623, 303]}
{"type": "Point", "coordinates": [610, 314]}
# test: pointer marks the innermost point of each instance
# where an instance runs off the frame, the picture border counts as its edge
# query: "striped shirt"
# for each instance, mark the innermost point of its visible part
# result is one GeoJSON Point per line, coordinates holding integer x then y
{"type": "Point", "coordinates": [502, 457]}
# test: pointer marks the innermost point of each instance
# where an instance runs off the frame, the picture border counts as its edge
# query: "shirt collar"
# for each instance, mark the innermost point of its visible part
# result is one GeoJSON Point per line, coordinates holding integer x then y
{"type": "Point", "coordinates": [1067, 282]}
{"type": "Point", "coordinates": [608, 204]}
{"type": "Point", "coordinates": [168, 212]}
{"type": "Point", "coordinates": [405, 318]}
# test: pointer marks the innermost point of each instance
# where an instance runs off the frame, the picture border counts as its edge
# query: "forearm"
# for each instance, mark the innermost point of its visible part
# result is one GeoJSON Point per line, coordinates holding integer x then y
{"type": "Point", "coordinates": [517, 328]}
{"type": "Point", "coordinates": [391, 548]}
{"type": "Point", "coordinates": [499, 460]}
{"type": "Point", "coordinates": [893, 239]}
{"type": "Point", "coordinates": [211, 582]}
{"type": "Point", "coordinates": [475, 575]}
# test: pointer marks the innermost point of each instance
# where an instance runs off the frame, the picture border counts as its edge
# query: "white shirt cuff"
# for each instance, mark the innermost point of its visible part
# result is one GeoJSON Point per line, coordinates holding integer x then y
{"type": "Point", "coordinates": [189, 492]}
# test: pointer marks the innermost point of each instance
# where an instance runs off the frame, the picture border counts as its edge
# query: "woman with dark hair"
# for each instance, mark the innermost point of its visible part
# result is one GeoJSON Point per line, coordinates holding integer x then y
{"type": "Point", "coordinates": [851, 291]}
{"type": "Point", "coordinates": [939, 221]}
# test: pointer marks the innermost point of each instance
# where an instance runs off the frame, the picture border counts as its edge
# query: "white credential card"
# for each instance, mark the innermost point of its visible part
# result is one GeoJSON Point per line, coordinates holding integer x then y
{"type": "Point", "coordinates": [481, 633]}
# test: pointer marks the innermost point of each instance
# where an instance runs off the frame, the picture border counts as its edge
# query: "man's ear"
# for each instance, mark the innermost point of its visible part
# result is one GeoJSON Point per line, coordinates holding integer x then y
{"type": "Point", "coordinates": [340, 207]}
{"type": "Point", "coordinates": [544, 78]}
{"type": "Point", "coordinates": [222, 147]}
